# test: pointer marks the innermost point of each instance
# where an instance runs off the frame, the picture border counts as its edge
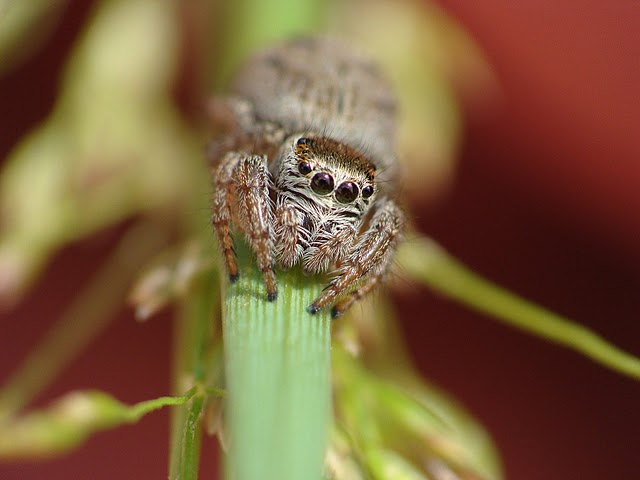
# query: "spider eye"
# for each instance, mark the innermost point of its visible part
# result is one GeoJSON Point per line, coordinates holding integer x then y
{"type": "Point", "coordinates": [322, 183]}
{"type": "Point", "coordinates": [304, 168]}
{"type": "Point", "coordinates": [347, 192]}
{"type": "Point", "coordinates": [303, 141]}
{"type": "Point", "coordinates": [367, 191]}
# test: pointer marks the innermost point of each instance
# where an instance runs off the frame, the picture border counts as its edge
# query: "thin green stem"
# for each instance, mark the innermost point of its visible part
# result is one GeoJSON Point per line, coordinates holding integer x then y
{"type": "Point", "coordinates": [429, 263]}
{"type": "Point", "coordinates": [139, 410]}
{"type": "Point", "coordinates": [194, 342]}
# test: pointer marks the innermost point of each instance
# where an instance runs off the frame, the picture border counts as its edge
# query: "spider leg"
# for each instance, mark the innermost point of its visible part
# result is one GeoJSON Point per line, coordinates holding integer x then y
{"type": "Point", "coordinates": [221, 212]}
{"type": "Point", "coordinates": [327, 248]}
{"type": "Point", "coordinates": [242, 183]}
{"type": "Point", "coordinates": [288, 248]}
{"type": "Point", "coordinates": [364, 288]}
{"type": "Point", "coordinates": [368, 261]}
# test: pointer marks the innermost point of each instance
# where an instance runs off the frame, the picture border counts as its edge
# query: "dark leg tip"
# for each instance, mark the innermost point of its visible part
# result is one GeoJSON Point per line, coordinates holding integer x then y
{"type": "Point", "coordinates": [234, 278]}
{"type": "Point", "coordinates": [272, 296]}
{"type": "Point", "coordinates": [312, 309]}
{"type": "Point", "coordinates": [335, 313]}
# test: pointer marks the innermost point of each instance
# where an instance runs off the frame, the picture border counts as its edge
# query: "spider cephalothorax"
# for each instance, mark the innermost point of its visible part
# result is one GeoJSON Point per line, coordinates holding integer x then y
{"type": "Point", "coordinates": [328, 188]}
{"type": "Point", "coordinates": [312, 198]}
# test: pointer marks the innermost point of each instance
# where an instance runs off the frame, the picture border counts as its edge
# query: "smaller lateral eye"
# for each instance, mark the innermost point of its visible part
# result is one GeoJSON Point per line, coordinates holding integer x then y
{"type": "Point", "coordinates": [303, 141]}
{"type": "Point", "coordinates": [304, 168]}
{"type": "Point", "coordinates": [367, 191]}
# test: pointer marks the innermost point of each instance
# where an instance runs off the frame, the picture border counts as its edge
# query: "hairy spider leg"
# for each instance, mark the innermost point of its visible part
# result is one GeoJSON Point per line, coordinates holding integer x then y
{"type": "Point", "coordinates": [370, 257]}
{"type": "Point", "coordinates": [242, 180]}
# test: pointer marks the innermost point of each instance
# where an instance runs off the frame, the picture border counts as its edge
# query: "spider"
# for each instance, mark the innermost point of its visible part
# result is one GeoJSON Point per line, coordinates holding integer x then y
{"type": "Point", "coordinates": [304, 167]}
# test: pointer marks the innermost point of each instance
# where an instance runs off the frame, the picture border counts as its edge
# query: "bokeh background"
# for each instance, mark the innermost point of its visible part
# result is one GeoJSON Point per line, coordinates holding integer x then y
{"type": "Point", "coordinates": [546, 201]}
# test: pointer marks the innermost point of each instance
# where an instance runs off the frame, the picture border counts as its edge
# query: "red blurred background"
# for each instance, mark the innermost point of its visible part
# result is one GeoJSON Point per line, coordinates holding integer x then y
{"type": "Point", "coordinates": [546, 202]}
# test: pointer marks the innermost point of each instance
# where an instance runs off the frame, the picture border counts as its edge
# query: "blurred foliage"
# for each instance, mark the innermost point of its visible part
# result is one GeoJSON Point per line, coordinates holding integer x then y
{"type": "Point", "coordinates": [117, 148]}
{"type": "Point", "coordinates": [70, 420]}
{"type": "Point", "coordinates": [114, 145]}
{"type": "Point", "coordinates": [424, 53]}
{"type": "Point", "coordinates": [24, 27]}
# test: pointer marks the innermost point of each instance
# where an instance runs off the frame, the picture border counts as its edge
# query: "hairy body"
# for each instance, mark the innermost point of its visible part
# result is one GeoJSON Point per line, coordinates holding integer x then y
{"type": "Point", "coordinates": [304, 166]}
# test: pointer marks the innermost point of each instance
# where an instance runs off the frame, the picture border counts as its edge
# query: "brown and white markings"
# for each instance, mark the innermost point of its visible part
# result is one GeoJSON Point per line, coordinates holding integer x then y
{"type": "Point", "coordinates": [304, 166]}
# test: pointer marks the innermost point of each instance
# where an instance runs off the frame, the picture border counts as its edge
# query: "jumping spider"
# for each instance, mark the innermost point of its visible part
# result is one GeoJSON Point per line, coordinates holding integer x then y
{"type": "Point", "coordinates": [304, 167]}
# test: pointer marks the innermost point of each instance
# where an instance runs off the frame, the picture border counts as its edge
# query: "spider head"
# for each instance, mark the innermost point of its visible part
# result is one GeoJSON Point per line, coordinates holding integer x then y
{"type": "Point", "coordinates": [327, 173]}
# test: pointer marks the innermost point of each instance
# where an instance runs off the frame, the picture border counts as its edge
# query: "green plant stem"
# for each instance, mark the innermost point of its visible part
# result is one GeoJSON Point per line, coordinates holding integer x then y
{"type": "Point", "coordinates": [429, 263]}
{"type": "Point", "coordinates": [194, 343]}
{"type": "Point", "coordinates": [277, 362]}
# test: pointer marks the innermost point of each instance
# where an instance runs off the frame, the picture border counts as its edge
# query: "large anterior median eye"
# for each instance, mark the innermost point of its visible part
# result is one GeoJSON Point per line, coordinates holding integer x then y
{"type": "Point", "coordinates": [322, 183]}
{"type": "Point", "coordinates": [347, 192]}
